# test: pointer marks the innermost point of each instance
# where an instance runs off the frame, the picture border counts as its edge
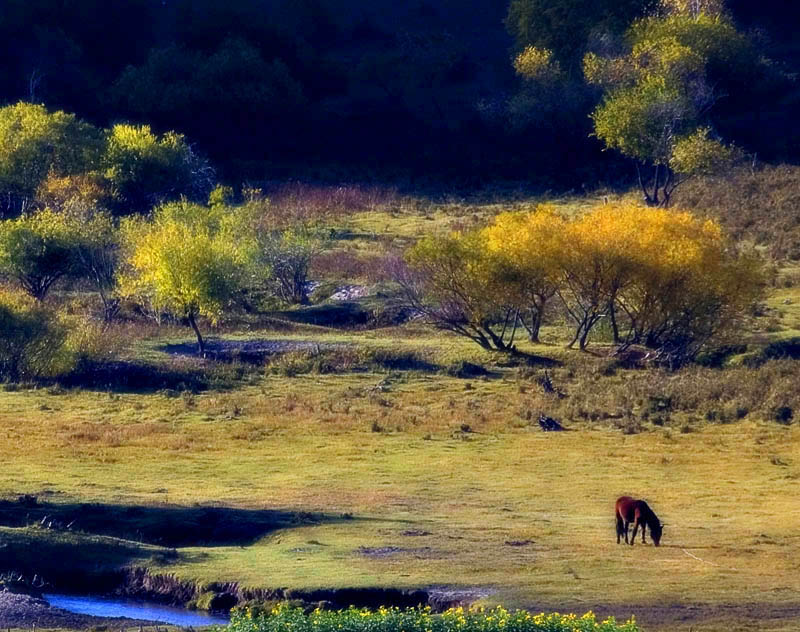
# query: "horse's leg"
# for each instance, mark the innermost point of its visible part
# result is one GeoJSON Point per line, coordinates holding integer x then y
{"type": "Point", "coordinates": [644, 528]}
{"type": "Point", "coordinates": [635, 529]}
{"type": "Point", "coordinates": [626, 531]}
{"type": "Point", "coordinates": [619, 527]}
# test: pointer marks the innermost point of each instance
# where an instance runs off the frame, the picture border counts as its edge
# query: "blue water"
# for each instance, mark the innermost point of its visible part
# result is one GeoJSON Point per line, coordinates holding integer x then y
{"type": "Point", "coordinates": [109, 607]}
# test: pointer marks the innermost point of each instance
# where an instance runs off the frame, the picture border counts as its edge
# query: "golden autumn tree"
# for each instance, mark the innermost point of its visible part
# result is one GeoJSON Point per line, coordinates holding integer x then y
{"type": "Point", "coordinates": [662, 278]}
{"type": "Point", "coordinates": [665, 279]}
{"type": "Point", "coordinates": [596, 265]}
{"type": "Point", "coordinates": [692, 285]}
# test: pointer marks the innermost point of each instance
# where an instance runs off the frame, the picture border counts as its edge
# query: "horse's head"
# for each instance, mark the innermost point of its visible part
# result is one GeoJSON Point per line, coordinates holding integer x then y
{"type": "Point", "coordinates": [656, 529]}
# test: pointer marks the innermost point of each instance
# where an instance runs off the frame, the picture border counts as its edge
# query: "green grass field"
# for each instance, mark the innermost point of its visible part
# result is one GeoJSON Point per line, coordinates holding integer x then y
{"type": "Point", "coordinates": [418, 479]}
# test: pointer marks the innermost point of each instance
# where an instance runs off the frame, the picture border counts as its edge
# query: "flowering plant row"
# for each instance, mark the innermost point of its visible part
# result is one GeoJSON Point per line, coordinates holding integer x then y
{"type": "Point", "coordinates": [284, 618]}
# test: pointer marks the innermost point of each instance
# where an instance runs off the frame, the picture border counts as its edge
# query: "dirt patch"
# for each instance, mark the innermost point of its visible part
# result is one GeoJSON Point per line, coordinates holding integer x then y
{"type": "Point", "coordinates": [422, 552]}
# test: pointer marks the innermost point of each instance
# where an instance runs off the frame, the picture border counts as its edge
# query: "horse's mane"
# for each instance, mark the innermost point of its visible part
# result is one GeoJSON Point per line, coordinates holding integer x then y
{"type": "Point", "coordinates": [651, 518]}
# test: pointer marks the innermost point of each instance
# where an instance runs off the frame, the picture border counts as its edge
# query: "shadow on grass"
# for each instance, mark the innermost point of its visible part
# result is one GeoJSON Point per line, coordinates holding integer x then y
{"type": "Point", "coordinates": [161, 525]}
{"type": "Point", "coordinates": [523, 358]}
{"type": "Point", "coordinates": [250, 351]}
{"type": "Point", "coordinates": [346, 314]}
{"type": "Point", "coordinates": [37, 557]}
{"type": "Point", "coordinates": [121, 376]}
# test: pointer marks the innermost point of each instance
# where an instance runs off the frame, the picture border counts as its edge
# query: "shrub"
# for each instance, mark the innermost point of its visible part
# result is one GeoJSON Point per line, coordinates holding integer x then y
{"type": "Point", "coordinates": [463, 369]}
{"type": "Point", "coordinates": [37, 250]}
{"type": "Point", "coordinates": [33, 342]}
{"type": "Point", "coordinates": [90, 344]}
{"type": "Point", "coordinates": [419, 620]}
{"type": "Point", "coordinates": [145, 169]}
{"type": "Point", "coordinates": [286, 256]}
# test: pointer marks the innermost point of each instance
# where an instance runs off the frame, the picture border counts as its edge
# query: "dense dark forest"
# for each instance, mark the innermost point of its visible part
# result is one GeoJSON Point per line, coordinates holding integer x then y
{"type": "Point", "coordinates": [416, 91]}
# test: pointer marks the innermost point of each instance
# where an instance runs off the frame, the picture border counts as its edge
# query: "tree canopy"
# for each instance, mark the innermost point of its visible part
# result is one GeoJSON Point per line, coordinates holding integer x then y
{"type": "Point", "coordinates": [380, 90]}
{"type": "Point", "coordinates": [34, 143]}
{"type": "Point", "coordinates": [659, 96]}
{"type": "Point", "coordinates": [660, 278]}
{"type": "Point", "coordinates": [187, 261]}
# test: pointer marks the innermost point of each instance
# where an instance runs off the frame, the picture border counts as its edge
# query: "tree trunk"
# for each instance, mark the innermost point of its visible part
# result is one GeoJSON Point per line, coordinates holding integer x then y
{"type": "Point", "coordinates": [584, 337]}
{"type": "Point", "coordinates": [536, 324]}
{"type": "Point", "coordinates": [656, 185]}
{"type": "Point", "coordinates": [201, 345]}
{"type": "Point", "coordinates": [577, 335]}
{"type": "Point", "coordinates": [612, 313]}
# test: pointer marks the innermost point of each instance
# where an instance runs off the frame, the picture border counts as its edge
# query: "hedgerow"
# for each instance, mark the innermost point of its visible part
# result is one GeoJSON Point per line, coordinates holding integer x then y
{"type": "Point", "coordinates": [284, 618]}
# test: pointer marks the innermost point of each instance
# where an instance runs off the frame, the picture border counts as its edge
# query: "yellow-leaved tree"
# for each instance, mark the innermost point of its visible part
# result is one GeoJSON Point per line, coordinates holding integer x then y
{"type": "Point", "coordinates": [597, 266]}
{"type": "Point", "coordinates": [188, 260]}
{"type": "Point", "coordinates": [692, 286]}
{"type": "Point", "coordinates": [661, 278]}
{"type": "Point", "coordinates": [525, 246]}
{"type": "Point", "coordinates": [665, 279]}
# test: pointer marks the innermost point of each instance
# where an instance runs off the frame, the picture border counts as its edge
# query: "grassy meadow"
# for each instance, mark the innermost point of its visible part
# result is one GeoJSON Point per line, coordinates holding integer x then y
{"type": "Point", "coordinates": [401, 456]}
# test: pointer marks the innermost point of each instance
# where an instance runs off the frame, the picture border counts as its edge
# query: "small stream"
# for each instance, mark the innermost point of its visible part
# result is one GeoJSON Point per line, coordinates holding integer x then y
{"type": "Point", "coordinates": [110, 607]}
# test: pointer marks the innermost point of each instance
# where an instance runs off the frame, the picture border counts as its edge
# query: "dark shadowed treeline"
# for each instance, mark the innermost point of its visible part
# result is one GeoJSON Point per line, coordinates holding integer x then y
{"type": "Point", "coordinates": [338, 88]}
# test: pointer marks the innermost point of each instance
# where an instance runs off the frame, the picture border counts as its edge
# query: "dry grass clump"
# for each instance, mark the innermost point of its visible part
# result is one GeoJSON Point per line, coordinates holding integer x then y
{"type": "Point", "coordinates": [350, 358]}
{"type": "Point", "coordinates": [598, 392]}
{"type": "Point", "coordinates": [758, 206]}
{"type": "Point", "coordinates": [293, 203]}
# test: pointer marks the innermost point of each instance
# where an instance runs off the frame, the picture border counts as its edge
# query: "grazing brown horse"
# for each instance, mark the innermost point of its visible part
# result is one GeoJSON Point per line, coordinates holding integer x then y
{"type": "Point", "coordinates": [629, 510]}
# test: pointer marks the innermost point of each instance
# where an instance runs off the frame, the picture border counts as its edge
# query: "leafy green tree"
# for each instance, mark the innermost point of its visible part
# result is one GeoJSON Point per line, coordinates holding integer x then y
{"type": "Point", "coordinates": [37, 250]}
{"type": "Point", "coordinates": [144, 169]}
{"type": "Point", "coordinates": [188, 260]}
{"type": "Point", "coordinates": [658, 96]}
{"type": "Point", "coordinates": [34, 143]}
{"type": "Point", "coordinates": [565, 26]}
